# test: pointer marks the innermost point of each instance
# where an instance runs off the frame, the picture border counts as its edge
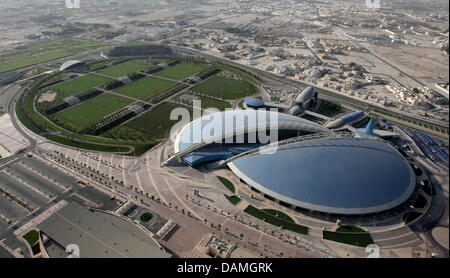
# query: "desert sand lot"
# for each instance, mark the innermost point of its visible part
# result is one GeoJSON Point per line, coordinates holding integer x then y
{"type": "Point", "coordinates": [429, 65]}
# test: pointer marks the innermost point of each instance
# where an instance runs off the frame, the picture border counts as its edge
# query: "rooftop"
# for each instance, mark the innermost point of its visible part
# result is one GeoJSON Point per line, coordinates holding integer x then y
{"type": "Point", "coordinates": [99, 235]}
{"type": "Point", "coordinates": [332, 175]}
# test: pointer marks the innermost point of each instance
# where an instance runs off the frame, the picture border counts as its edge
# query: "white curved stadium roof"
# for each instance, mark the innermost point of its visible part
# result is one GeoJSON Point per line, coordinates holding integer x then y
{"type": "Point", "coordinates": [221, 125]}
{"type": "Point", "coordinates": [68, 64]}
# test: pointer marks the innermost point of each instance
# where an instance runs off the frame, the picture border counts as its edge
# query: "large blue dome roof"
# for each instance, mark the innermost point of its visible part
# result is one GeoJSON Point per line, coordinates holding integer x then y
{"type": "Point", "coordinates": [333, 175]}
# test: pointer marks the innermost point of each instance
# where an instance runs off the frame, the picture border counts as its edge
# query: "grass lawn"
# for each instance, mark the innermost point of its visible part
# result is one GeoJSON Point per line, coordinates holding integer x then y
{"type": "Point", "coordinates": [45, 51]}
{"type": "Point", "coordinates": [233, 199]}
{"type": "Point", "coordinates": [57, 77]}
{"type": "Point", "coordinates": [78, 85]}
{"type": "Point", "coordinates": [226, 88]}
{"type": "Point", "coordinates": [124, 69]}
{"type": "Point", "coordinates": [356, 239]}
{"type": "Point", "coordinates": [208, 102]}
{"type": "Point", "coordinates": [125, 133]}
{"type": "Point", "coordinates": [182, 71]}
{"type": "Point", "coordinates": [279, 214]}
{"type": "Point", "coordinates": [350, 229]}
{"type": "Point", "coordinates": [228, 184]}
{"type": "Point", "coordinates": [330, 109]}
{"type": "Point", "coordinates": [156, 123]}
{"type": "Point", "coordinates": [277, 221]}
{"type": "Point", "coordinates": [91, 112]}
{"type": "Point", "coordinates": [87, 146]}
{"type": "Point", "coordinates": [145, 88]}
{"type": "Point", "coordinates": [31, 237]}
{"type": "Point", "coordinates": [214, 103]}
{"type": "Point", "coordinates": [32, 60]}
{"type": "Point", "coordinates": [95, 66]}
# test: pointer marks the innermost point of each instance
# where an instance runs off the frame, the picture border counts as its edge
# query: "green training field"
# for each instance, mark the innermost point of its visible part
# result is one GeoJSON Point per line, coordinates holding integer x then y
{"type": "Point", "coordinates": [145, 88]}
{"type": "Point", "coordinates": [41, 52]}
{"type": "Point", "coordinates": [78, 85]}
{"type": "Point", "coordinates": [57, 77]}
{"type": "Point", "coordinates": [182, 71]}
{"type": "Point", "coordinates": [124, 69]}
{"type": "Point", "coordinates": [86, 114]}
{"type": "Point", "coordinates": [32, 60]}
{"type": "Point", "coordinates": [214, 103]}
{"type": "Point", "coordinates": [97, 65]}
{"type": "Point", "coordinates": [226, 88]}
{"type": "Point", "coordinates": [155, 123]}
{"type": "Point", "coordinates": [207, 102]}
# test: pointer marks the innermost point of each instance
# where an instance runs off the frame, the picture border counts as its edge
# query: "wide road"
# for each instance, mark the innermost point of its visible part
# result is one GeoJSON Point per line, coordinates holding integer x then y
{"type": "Point", "coordinates": [344, 98]}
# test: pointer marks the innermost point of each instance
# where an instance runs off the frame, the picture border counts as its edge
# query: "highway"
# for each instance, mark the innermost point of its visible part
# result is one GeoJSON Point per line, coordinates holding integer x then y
{"type": "Point", "coordinates": [349, 100]}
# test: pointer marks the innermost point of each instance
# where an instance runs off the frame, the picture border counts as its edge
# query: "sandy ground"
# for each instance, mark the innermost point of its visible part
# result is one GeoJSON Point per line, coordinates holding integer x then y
{"type": "Point", "coordinates": [427, 64]}
{"type": "Point", "coordinates": [47, 97]}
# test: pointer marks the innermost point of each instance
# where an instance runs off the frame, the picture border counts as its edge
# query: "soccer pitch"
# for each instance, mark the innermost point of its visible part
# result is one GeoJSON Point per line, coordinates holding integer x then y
{"type": "Point", "coordinates": [78, 85]}
{"type": "Point", "coordinates": [124, 69]}
{"type": "Point", "coordinates": [86, 114]}
{"type": "Point", "coordinates": [226, 88]}
{"type": "Point", "coordinates": [145, 88]}
{"type": "Point", "coordinates": [182, 71]}
{"type": "Point", "coordinates": [155, 123]}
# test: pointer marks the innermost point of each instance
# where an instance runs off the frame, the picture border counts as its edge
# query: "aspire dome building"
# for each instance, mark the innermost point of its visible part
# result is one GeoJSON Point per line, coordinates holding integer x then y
{"type": "Point", "coordinates": [308, 167]}
{"type": "Point", "coordinates": [72, 66]}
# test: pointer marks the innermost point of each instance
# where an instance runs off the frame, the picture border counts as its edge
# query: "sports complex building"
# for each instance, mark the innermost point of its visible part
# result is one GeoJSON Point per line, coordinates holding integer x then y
{"type": "Point", "coordinates": [309, 168]}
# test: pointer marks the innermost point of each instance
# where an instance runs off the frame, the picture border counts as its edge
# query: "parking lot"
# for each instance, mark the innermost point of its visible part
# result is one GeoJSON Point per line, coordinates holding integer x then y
{"type": "Point", "coordinates": [29, 185]}
{"type": "Point", "coordinates": [27, 194]}
{"type": "Point", "coordinates": [11, 210]}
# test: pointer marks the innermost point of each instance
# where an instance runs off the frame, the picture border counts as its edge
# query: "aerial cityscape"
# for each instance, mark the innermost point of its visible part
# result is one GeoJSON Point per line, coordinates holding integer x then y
{"type": "Point", "coordinates": [224, 129]}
